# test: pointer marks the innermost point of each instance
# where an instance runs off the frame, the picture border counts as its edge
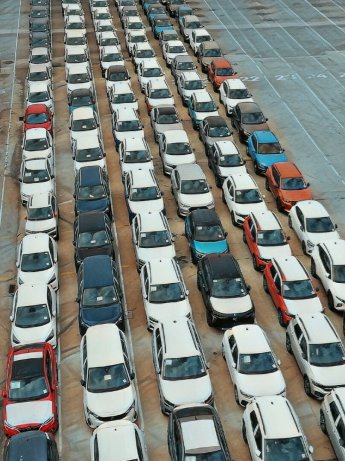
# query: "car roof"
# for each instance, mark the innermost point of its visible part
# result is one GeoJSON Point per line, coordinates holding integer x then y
{"type": "Point", "coordinates": [103, 345]}
{"type": "Point", "coordinates": [202, 96]}
{"type": "Point", "coordinates": [156, 83]}
{"type": "Point", "coordinates": [90, 175]}
{"type": "Point", "coordinates": [40, 50]}
{"type": "Point", "coordinates": [221, 62]}
{"type": "Point", "coordinates": [190, 75]}
{"type": "Point", "coordinates": [143, 46]}
{"type": "Point", "coordinates": [318, 327]}
{"type": "Point", "coordinates": [162, 271]}
{"type": "Point", "coordinates": [142, 178]}
{"type": "Point", "coordinates": [166, 110]}
{"type": "Point", "coordinates": [151, 221]}
{"type": "Point", "coordinates": [227, 147]}
{"type": "Point", "coordinates": [190, 171]}
{"type": "Point", "coordinates": [38, 86]}
{"type": "Point", "coordinates": [98, 271]}
{"type": "Point", "coordinates": [27, 446]}
{"type": "Point", "coordinates": [183, 57]}
{"type": "Point", "coordinates": [150, 62]}
{"type": "Point", "coordinates": [111, 438]}
{"type": "Point", "coordinates": [234, 83]}
{"type": "Point", "coordinates": [266, 220]}
{"type": "Point", "coordinates": [30, 294]}
{"type": "Point", "coordinates": [36, 164]}
{"type": "Point", "coordinates": [77, 49]}
{"type": "Point", "coordinates": [36, 108]}
{"type": "Point", "coordinates": [223, 266]}
{"type": "Point", "coordinates": [249, 107]}
{"type": "Point", "coordinates": [250, 339]}
{"type": "Point", "coordinates": [215, 120]}
{"type": "Point", "coordinates": [122, 87]}
{"type": "Point", "coordinates": [117, 68]}
{"type": "Point", "coordinates": [126, 113]}
{"type": "Point", "coordinates": [172, 136]}
{"type": "Point", "coordinates": [275, 408]}
{"type": "Point", "coordinates": [111, 49]}
{"type": "Point", "coordinates": [88, 141]}
{"type": "Point", "coordinates": [336, 249]}
{"type": "Point", "coordinates": [265, 136]}
{"type": "Point", "coordinates": [175, 43]}
{"type": "Point", "coordinates": [40, 200]}
{"type": "Point", "coordinates": [204, 217]}
{"type": "Point", "coordinates": [38, 67]}
{"type": "Point", "coordinates": [74, 33]}
{"type": "Point", "coordinates": [199, 433]}
{"type": "Point", "coordinates": [312, 209]}
{"type": "Point", "coordinates": [192, 17]}
{"type": "Point", "coordinates": [287, 169]}
{"type": "Point", "coordinates": [243, 181]}
{"type": "Point", "coordinates": [201, 32]}
{"type": "Point", "coordinates": [91, 221]}
{"type": "Point", "coordinates": [135, 144]}
{"type": "Point", "coordinates": [35, 133]}
{"type": "Point", "coordinates": [291, 268]}
{"type": "Point", "coordinates": [178, 328]}
{"type": "Point", "coordinates": [210, 45]}
{"type": "Point", "coordinates": [81, 68]}
{"type": "Point", "coordinates": [81, 113]}
{"type": "Point", "coordinates": [35, 243]}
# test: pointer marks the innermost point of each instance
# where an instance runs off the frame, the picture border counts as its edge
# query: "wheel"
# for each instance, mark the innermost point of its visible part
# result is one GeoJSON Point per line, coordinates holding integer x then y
{"type": "Point", "coordinates": [223, 197]}
{"type": "Point", "coordinates": [288, 344]}
{"type": "Point", "coordinates": [209, 318]}
{"type": "Point", "coordinates": [330, 302]}
{"type": "Point", "coordinates": [244, 238]}
{"type": "Point", "coordinates": [323, 422]}
{"type": "Point", "coordinates": [256, 169]}
{"type": "Point", "coordinates": [218, 182]}
{"type": "Point", "coordinates": [281, 320]}
{"type": "Point", "coordinates": [279, 205]}
{"type": "Point", "coordinates": [304, 248]}
{"type": "Point", "coordinates": [198, 283]}
{"type": "Point", "coordinates": [313, 269]}
{"type": "Point", "coordinates": [236, 395]}
{"type": "Point", "coordinates": [256, 267]}
{"type": "Point", "coordinates": [267, 186]}
{"type": "Point", "coordinates": [264, 284]}
{"type": "Point", "coordinates": [307, 387]}
{"type": "Point", "coordinates": [289, 222]}
{"type": "Point", "coordinates": [194, 260]}
{"type": "Point", "coordinates": [244, 433]}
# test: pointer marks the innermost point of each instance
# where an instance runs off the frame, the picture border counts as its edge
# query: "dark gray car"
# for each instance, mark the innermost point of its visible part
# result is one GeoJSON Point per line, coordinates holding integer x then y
{"type": "Point", "coordinates": [207, 52]}
{"type": "Point", "coordinates": [181, 64]}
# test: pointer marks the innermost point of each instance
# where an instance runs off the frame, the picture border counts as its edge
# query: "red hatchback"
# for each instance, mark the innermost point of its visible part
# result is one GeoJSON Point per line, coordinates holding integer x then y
{"type": "Point", "coordinates": [30, 389]}
{"type": "Point", "coordinates": [38, 116]}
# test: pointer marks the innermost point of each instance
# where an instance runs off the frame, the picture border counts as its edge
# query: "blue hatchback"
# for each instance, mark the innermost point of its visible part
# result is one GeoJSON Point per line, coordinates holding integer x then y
{"type": "Point", "coordinates": [265, 149]}
{"type": "Point", "coordinates": [205, 234]}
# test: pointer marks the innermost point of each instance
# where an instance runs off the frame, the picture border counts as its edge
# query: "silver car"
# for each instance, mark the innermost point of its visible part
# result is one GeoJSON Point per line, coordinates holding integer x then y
{"type": "Point", "coordinates": [181, 63]}
{"type": "Point", "coordinates": [164, 118]}
{"type": "Point", "coordinates": [332, 420]}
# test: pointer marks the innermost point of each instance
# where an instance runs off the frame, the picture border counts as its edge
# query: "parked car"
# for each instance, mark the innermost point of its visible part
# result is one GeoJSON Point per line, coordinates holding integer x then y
{"type": "Point", "coordinates": [248, 117]}
{"type": "Point", "coordinates": [27, 444]}
{"type": "Point", "coordinates": [265, 150]}
{"type": "Point", "coordinates": [212, 129]}
{"type": "Point", "coordinates": [121, 96]}
{"type": "Point", "coordinates": [110, 56]}
{"type": "Point", "coordinates": [126, 124]}
{"type": "Point", "coordinates": [219, 70]}
{"type": "Point", "coordinates": [201, 105]}
{"type": "Point", "coordinates": [83, 121]}
{"type": "Point", "coordinates": [173, 5]}
{"type": "Point", "coordinates": [36, 176]}
{"type": "Point", "coordinates": [38, 116]}
{"type": "Point", "coordinates": [164, 119]}
{"type": "Point", "coordinates": [42, 215]}
{"type": "Point", "coordinates": [79, 77]}
{"type": "Point", "coordinates": [91, 191]}
{"type": "Point", "coordinates": [134, 153]}
{"type": "Point", "coordinates": [88, 151]}
{"type": "Point", "coordinates": [181, 63]}
{"type": "Point", "coordinates": [207, 52]}
{"type": "Point", "coordinates": [142, 51]}
{"type": "Point", "coordinates": [37, 144]}
{"type": "Point", "coordinates": [149, 70]}
{"type": "Point", "coordinates": [160, 23]}
{"type": "Point", "coordinates": [175, 149]}
{"type": "Point", "coordinates": [187, 24]}
{"type": "Point", "coordinates": [225, 160]}
{"type": "Point", "coordinates": [157, 93]}
{"type": "Point", "coordinates": [197, 37]}
{"type": "Point", "coordinates": [115, 75]}
{"type": "Point", "coordinates": [167, 35]}
{"type": "Point", "coordinates": [187, 83]}
{"type": "Point", "coordinates": [40, 92]}
{"type": "Point", "coordinates": [171, 49]}
{"type": "Point", "coordinates": [39, 73]}
{"type": "Point", "coordinates": [332, 420]}
{"type": "Point", "coordinates": [231, 92]}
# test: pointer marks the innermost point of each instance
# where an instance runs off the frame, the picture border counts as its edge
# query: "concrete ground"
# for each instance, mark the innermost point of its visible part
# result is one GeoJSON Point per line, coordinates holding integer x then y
{"type": "Point", "coordinates": [266, 43]}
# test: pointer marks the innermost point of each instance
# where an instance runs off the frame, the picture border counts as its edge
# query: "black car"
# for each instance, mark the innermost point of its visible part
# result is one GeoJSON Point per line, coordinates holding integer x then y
{"type": "Point", "coordinates": [248, 117]}
{"type": "Point", "coordinates": [211, 129]}
{"type": "Point", "coordinates": [91, 191]}
{"type": "Point", "coordinates": [99, 293]}
{"type": "Point", "coordinates": [39, 11]}
{"type": "Point", "coordinates": [222, 161]}
{"type": "Point", "coordinates": [195, 431]}
{"type": "Point", "coordinates": [92, 236]}
{"type": "Point", "coordinates": [224, 291]}
{"type": "Point", "coordinates": [81, 97]}
{"type": "Point", "coordinates": [29, 446]}
{"type": "Point", "coordinates": [39, 25]}
{"type": "Point", "coordinates": [40, 39]}
{"type": "Point", "coordinates": [117, 73]}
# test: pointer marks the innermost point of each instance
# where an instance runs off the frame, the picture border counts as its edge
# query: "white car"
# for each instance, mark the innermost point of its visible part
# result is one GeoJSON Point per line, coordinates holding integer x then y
{"type": "Point", "coordinates": [75, 22]}
{"type": "Point", "coordinates": [163, 119]}
{"type": "Point", "coordinates": [158, 93]}
{"type": "Point", "coordinates": [253, 367]}
{"type": "Point", "coordinates": [78, 76]}
{"type": "Point", "coordinates": [328, 265]}
{"type": "Point", "coordinates": [133, 23]}
{"type": "Point", "coordinates": [231, 92]}
{"type": "Point", "coordinates": [103, 25]}
{"type": "Point", "coordinates": [318, 351]}
{"type": "Point", "coordinates": [121, 96]}
{"type": "Point", "coordinates": [33, 314]}
{"type": "Point", "coordinates": [42, 214]}
{"type": "Point", "coordinates": [40, 92]}
{"type": "Point", "coordinates": [88, 151]}
{"type": "Point", "coordinates": [106, 39]}
{"type": "Point", "coordinates": [173, 48]}
{"type": "Point", "coordinates": [141, 52]}
{"type": "Point", "coordinates": [117, 440]}
{"type": "Point", "coordinates": [126, 124]}
{"type": "Point", "coordinates": [101, 13]}
{"type": "Point", "coordinates": [225, 160]}
{"type": "Point", "coordinates": [107, 375]}
{"type": "Point", "coordinates": [134, 153]}
{"type": "Point", "coordinates": [187, 83]}
{"type": "Point", "coordinates": [201, 105]}
{"type": "Point", "coordinates": [74, 57]}
{"type": "Point", "coordinates": [332, 420]}
{"type": "Point", "coordinates": [147, 70]}
{"type": "Point", "coordinates": [312, 224]}
{"type": "Point", "coordinates": [135, 36]}
{"type": "Point", "coordinates": [40, 55]}
{"type": "Point", "coordinates": [39, 73]}
{"type": "Point", "coordinates": [37, 143]}
{"type": "Point", "coordinates": [152, 237]}
{"type": "Point", "coordinates": [35, 176]}
{"type": "Point", "coordinates": [242, 195]}
{"type": "Point", "coordinates": [37, 260]}
{"type": "Point", "coordinates": [180, 365]}
{"type": "Point", "coordinates": [73, 39]}
{"type": "Point", "coordinates": [110, 56]}
{"type": "Point", "coordinates": [175, 149]}
{"type": "Point", "coordinates": [96, 4]}
{"type": "Point", "coordinates": [197, 37]}
{"type": "Point", "coordinates": [142, 193]}
{"type": "Point", "coordinates": [83, 121]}
{"type": "Point", "coordinates": [190, 189]}
{"type": "Point", "coordinates": [188, 24]}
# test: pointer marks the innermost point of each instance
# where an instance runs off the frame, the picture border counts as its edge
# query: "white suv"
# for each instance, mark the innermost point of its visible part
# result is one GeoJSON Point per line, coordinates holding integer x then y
{"type": "Point", "coordinates": [79, 77]}
{"type": "Point", "coordinates": [126, 124]}
{"type": "Point", "coordinates": [332, 420]}
{"type": "Point", "coordinates": [164, 292]}
{"type": "Point", "coordinates": [107, 375]}
{"type": "Point", "coordinates": [252, 365]}
{"type": "Point", "coordinates": [180, 366]}
{"type": "Point", "coordinates": [319, 353]}
{"type": "Point", "coordinates": [83, 120]}
{"type": "Point", "coordinates": [175, 149]}
{"type": "Point", "coordinates": [173, 48]}
{"type": "Point", "coordinates": [88, 151]}
{"type": "Point", "coordinates": [121, 96]}
{"type": "Point", "coordinates": [148, 70]}
{"type": "Point", "coordinates": [152, 237]}
{"type": "Point", "coordinates": [233, 91]}
{"type": "Point", "coordinates": [188, 83]}
{"type": "Point", "coordinates": [37, 143]}
{"type": "Point", "coordinates": [35, 176]}
{"type": "Point", "coordinates": [273, 431]}
{"type": "Point", "coordinates": [134, 153]}
{"type": "Point", "coordinates": [242, 195]}
{"type": "Point", "coordinates": [158, 93]}
{"type": "Point", "coordinates": [40, 92]}
{"type": "Point", "coordinates": [42, 214]}
{"type": "Point", "coordinates": [312, 224]}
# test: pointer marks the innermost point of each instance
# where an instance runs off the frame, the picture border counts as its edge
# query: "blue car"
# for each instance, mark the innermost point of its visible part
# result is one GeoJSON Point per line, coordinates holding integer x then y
{"type": "Point", "coordinates": [160, 23]}
{"type": "Point", "coordinates": [205, 234]}
{"type": "Point", "coordinates": [153, 11]}
{"type": "Point", "coordinates": [183, 10]}
{"type": "Point", "coordinates": [265, 149]}
{"type": "Point", "coordinates": [148, 3]}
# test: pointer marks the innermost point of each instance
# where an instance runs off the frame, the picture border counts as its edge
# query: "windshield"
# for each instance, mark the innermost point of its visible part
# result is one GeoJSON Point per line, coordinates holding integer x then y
{"type": "Point", "coordinates": [213, 53]}
{"type": "Point", "coordinates": [105, 28]}
{"type": "Point", "coordinates": [203, 38]}
{"type": "Point", "coordinates": [154, 10]}
{"type": "Point", "coordinates": [111, 41]}
{"type": "Point", "coordinates": [239, 94]}
{"type": "Point", "coordinates": [230, 160]}
{"type": "Point", "coordinates": [193, 25]}
{"type": "Point", "coordinates": [34, 176]}
{"type": "Point", "coordinates": [176, 49]}
{"type": "Point", "coordinates": [35, 262]}
{"type": "Point", "coordinates": [339, 273]}
{"type": "Point", "coordinates": [194, 186]}
{"type": "Point", "coordinates": [290, 449]}
{"type": "Point", "coordinates": [219, 131]}
{"type": "Point", "coordinates": [209, 233]}
{"type": "Point", "coordinates": [161, 93]}
{"type": "Point", "coordinates": [75, 25]}
{"type": "Point", "coordinates": [145, 54]}
{"type": "Point", "coordinates": [87, 155]}
{"type": "Point", "coordinates": [269, 148]}
{"type": "Point", "coordinates": [167, 36]}
{"type": "Point", "coordinates": [254, 118]}
{"type": "Point", "coordinates": [92, 192]}
{"type": "Point", "coordinates": [155, 239]}
{"type": "Point", "coordinates": [293, 183]}
{"type": "Point", "coordinates": [128, 125]}
{"type": "Point", "coordinates": [209, 456]}
{"type": "Point", "coordinates": [271, 237]}
{"type": "Point", "coordinates": [326, 355]}
{"type": "Point", "coordinates": [194, 85]}
{"type": "Point", "coordinates": [255, 364]}
{"type": "Point", "coordinates": [111, 57]}
{"type": "Point", "coordinates": [79, 101]}
{"type": "Point", "coordinates": [108, 379]}
{"type": "Point", "coordinates": [185, 65]}
{"type": "Point", "coordinates": [166, 293]}
{"type": "Point", "coordinates": [39, 96]}
{"type": "Point", "coordinates": [144, 193]}
{"type": "Point", "coordinates": [138, 39]}
{"type": "Point", "coordinates": [225, 71]}
{"type": "Point", "coordinates": [183, 368]}
{"type": "Point", "coordinates": [316, 225]}
{"type": "Point", "coordinates": [78, 78]}
{"type": "Point", "coordinates": [298, 289]}
{"type": "Point", "coordinates": [39, 59]}
{"type": "Point", "coordinates": [123, 98]}
{"type": "Point", "coordinates": [99, 296]}
{"type": "Point", "coordinates": [36, 144]}
{"type": "Point", "coordinates": [27, 380]}
{"type": "Point", "coordinates": [39, 214]}
{"type": "Point", "coordinates": [248, 196]}
{"type": "Point", "coordinates": [84, 125]}
{"type": "Point", "coordinates": [93, 239]}
{"type": "Point", "coordinates": [37, 118]}
{"type": "Point", "coordinates": [208, 106]}
{"type": "Point", "coordinates": [163, 23]}
{"type": "Point", "coordinates": [166, 119]}
{"type": "Point", "coordinates": [38, 76]}
{"type": "Point", "coordinates": [32, 316]}
{"type": "Point", "coordinates": [228, 288]}
{"type": "Point", "coordinates": [76, 41]}
{"type": "Point", "coordinates": [153, 72]}
{"type": "Point", "coordinates": [136, 156]}
{"type": "Point", "coordinates": [135, 25]}
{"type": "Point", "coordinates": [178, 148]}
{"type": "Point", "coordinates": [118, 76]}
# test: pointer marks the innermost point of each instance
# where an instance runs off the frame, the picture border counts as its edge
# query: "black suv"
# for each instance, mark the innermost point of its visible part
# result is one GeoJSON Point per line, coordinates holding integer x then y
{"type": "Point", "coordinates": [99, 293]}
{"type": "Point", "coordinates": [92, 236]}
{"type": "Point", "coordinates": [81, 97]}
{"type": "Point", "coordinates": [91, 191]}
{"type": "Point", "coordinates": [224, 291]}
{"type": "Point", "coordinates": [31, 445]}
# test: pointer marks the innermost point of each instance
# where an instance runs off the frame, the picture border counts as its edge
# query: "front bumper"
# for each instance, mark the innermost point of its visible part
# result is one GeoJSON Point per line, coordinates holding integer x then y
{"type": "Point", "coordinates": [94, 420]}
{"type": "Point", "coordinates": [225, 321]}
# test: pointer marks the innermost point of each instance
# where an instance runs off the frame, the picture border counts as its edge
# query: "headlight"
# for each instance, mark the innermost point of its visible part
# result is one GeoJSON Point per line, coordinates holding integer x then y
{"type": "Point", "coordinates": [15, 339]}
{"type": "Point", "coordinates": [341, 300]}
{"type": "Point", "coordinates": [247, 396]}
{"type": "Point", "coordinates": [310, 244]}
{"type": "Point", "coordinates": [50, 336]}
{"type": "Point", "coordinates": [52, 279]}
{"type": "Point", "coordinates": [20, 281]}
{"type": "Point", "coordinates": [290, 314]}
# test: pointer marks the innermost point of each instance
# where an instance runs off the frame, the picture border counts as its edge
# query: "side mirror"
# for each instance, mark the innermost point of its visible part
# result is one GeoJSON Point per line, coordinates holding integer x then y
{"type": "Point", "coordinates": [233, 365]}
{"type": "Point", "coordinates": [73, 242]}
{"type": "Point", "coordinates": [308, 184]}
{"type": "Point", "coordinates": [21, 118]}
{"type": "Point", "coordinates": [288, 238]}
{"type": "Point", "coordinates": [249, 287]}
{"type": "Point", "coordinates": [225, 234]}
{"type": "Point", "coordinates": [162, 193]}
{"type": "Point", "coordinates": [210, 187]}
{"type": "Point", "coordinates": [11, 318]}
{"type": "Point", "coordinates": [82, 382]}
{"type": "Point", "coordinates": [74, 195]}
{"type": "Point", "coordinates": [132, 375]}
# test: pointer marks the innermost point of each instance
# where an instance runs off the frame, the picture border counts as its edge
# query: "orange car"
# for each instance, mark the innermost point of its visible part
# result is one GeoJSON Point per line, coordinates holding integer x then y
{"type": "Point", "coordinates": [287, 185]}
{"type": "Point", "coordinates": [219, 70]}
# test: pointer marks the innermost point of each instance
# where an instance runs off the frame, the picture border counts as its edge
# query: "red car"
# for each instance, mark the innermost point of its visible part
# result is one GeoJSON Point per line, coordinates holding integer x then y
{"type": "Point", "coordinates": [220, 70]}
{"type": "Point", "coordinates": [30, 389]}
{"type": "Point", "coordinates": [38, 116]}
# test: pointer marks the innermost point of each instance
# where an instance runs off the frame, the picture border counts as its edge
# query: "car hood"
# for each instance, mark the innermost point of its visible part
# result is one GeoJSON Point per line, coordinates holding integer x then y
{"type": "Point", "coordinates": [114, 403]}
{"type": "Point", "coordinates": [161, 102]}
{"type": "Point", "coordinates": [187, 390]}
{"type": "Point", "coordinates": [339, 290]}
{"type": "Point", "coordinates": [210, 140]}
{"type": "Point", "coordinates": [148, 254]}
{"type": "Point", "coordinates": [269, 252]}
{"type": "Point", "coordinates": [32, 335]}
{"type": "Point", "coordinates": [202, 115]}
{"type": "Point", "coordinates": [329, 376]}
{"type": "Point", "coordinates": [162, 128]}
{"type": "Point", "coordinates": [231, 305]}
{"type": "Point", "coordinates": [34, 412]}
{"type": "Point", "coordinates": [147, 205]}
{"type": "Point", "coordinates": [246, 208]}
{"type": "Point", "coordinates": [225, 171]}
{"type": "Point", "coordinates": [106, 65]}
{"type": "Point", "coordinates": [127, 105]}
{"type": "Point", "coordinates": [258, 127]}
{"type": "Point", "coordinates": [80, 135]}
{"type": "Point", "coordinates": [269, 159]}
{"type": "Point", "coordinates": [82, 206]}
{"type": "Point", "coordinates": [83, 253]}
{"type": "Point", "coordinates": [77, 86]}
{"type": "Point", "coordinates": [35, 277]}
{"type": "Point", "coordinates": [179, 159]}
{"type": "Point", "coordinates": [164, 310]}
{"type": "Point", "coordinates": [126, 167]}
{"type": "Point", "coordinates": [196, 200]}
{"type": "Point", "coordinates": [260, 385]}
{"type": "Point", "coordinates": [40, 226]}
{"type": "Point", "coordinates": [303, 306]}
{"type": "Point", "coordinates": [121, 135]}
{"type": "Point", "coordinates": [95, 315]}
{"type": "Point", "coordinates": [206, 61]}
{"type": "Point", "coordinates": [296, 195]}
{"type": "Point", "coordinates": [221, 246]}
{"type": "Point", "coordinates": [42, 187]}
{"type": "Point", "coordinates": [28, 154]}
{"type": "Point", "coordinates": [232, 102]}
{"type": "Point", "coordinates": [100, 163]}
{"type": "Point", "coordinates": [188, 93]}
{"type": "Point", "coordinates": [317, 237]}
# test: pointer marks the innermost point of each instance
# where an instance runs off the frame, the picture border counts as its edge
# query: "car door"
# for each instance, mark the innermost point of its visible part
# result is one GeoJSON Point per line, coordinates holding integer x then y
{"type": "Point", "coordinates": [299, 347]}
{"type": "Point", "coordinates": [232, 359]}
{"type": "Point", "coordinates": [229, 194]}
{"type": "Point", "coordinates": [298, 223]}
{"type": "Point", "coordinates": [157, 354]}
{"type": "Point", "coordinates": [275, 182]}
{"type": "Point", "coordinates": [252, 145]}
{"type": "Point", "coordinates": [323, 267]}
{"type": "Point", "coordinates": [336, 431]}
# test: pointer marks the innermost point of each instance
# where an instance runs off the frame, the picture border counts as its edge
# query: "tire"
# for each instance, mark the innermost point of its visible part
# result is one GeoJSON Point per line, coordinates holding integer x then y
{"type": "Point", "coordinates": [233, 219]}
{"type": "Point", "coordinates": [256, 169]}
{"type": "Point", "coordinates": [323, 422]}
{"type": "Point", "coordinates": [209, 318]}
{"type": "Point", "coordinates": [313, 269]}
{"type": "Point", "coordinates": [288, 344]}
{"type": "Point", "coordinates": [304, 248]}
{"type": "Point", "coordinates": [289, 222]}
{"type": "Point", "coordinates": [244, 238]}
{"type": "Point", "coordinates": [330, 302]}
{"type": "Point", "coordinates": [244, 433]}
{"type": "Point", "coordinates": [256, 267]}
{"type": "Point", "coordinates": [236, 395]}
{"type": "Point", "coordinates": [267, 187]}
{"type": "Point", "coordinates": [281, 320]}
{"type": "Point", "coordinates": [264, 284]}
{"type": "Point", "coordinates": [279, 205]}
{"type": "Point", "coordinates": [306, 384]}
{"type": "Point", "coordinates": [223, 197]}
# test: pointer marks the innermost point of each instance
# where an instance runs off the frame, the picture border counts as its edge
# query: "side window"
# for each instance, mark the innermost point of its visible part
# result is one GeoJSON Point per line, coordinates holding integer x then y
{"type": "Point", "coordinates": [49, 369]}
{"type": "Point", "coordinates": [159, 348]}
{"type": "Point", "coordinates": [258, 438]}
{"type": "Point", "coordinates": [234, 352]}
{"type": "Point", "coordinates": [300, 216]}
{"type": "Point", "coordinates": [51, 249]}
{"type": "Point", "coordinates": [325, 260]}
{"type": "Point", "coordinates": [95, 449]}
{"type": "Point", "coordinates": [177, 177]}
{"type": "Point", "coordinates": [334, 411]}
{"type": "Point", "coordinates": [232, 341]}
{"type": "Point", "coordinates": [341, 431]}
{"type": "Point", "coordinates": [298, 331]}
{"type": "Point", "coordinates": [53, 202]}
{"type": "Point", "coordinates": [85, 360]}
{"type": "Point", "coordinates": [277, 283]}
{"type": "Point", "coordinates": [276, 176]}
{"type": "Point", "coordinates": [252, 229]}
{"type": "Point", "coordinates": [49, 300]}
{"type": "Point", "coordinates": [253, 420]}
{"type": "Point", "coordinates": [303, 345]}
{"type": "Point", "coordinates": [255, 144]}
{"type": "Point", "coordinates": [231, 190]}
{"type": "Point", "coordinates": [273, 271]}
